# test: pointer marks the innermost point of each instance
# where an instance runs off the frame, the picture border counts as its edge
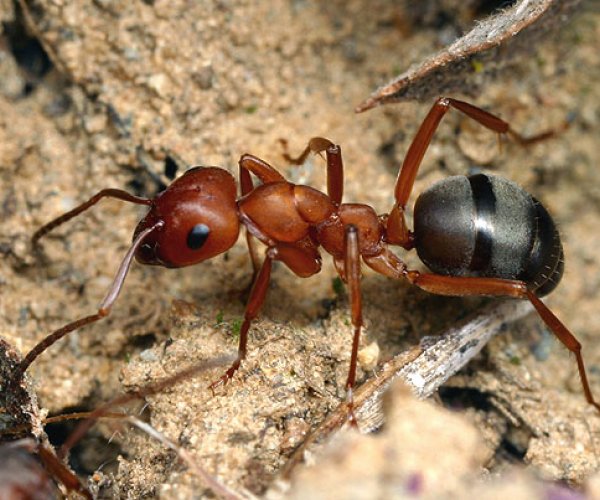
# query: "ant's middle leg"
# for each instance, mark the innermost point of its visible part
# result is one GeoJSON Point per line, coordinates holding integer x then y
{"type": "Point", "coordinates": [335, 166]}
{"type": "Point", "coordinates": [349, 270]}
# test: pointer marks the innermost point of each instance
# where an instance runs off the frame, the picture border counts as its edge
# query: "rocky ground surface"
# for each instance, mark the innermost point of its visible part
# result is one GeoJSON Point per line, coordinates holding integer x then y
{"type": "Point", "coordinates": [120, 94]}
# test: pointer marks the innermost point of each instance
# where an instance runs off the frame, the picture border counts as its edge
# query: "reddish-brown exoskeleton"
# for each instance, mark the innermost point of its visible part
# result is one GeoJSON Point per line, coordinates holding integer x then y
{"type": "Point", "coordinates": [22, 475]}
{"type": "Point", "coordinates": [480, 235]}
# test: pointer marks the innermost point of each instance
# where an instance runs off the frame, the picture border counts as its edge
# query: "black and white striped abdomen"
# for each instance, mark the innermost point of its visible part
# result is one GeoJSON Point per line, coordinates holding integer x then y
{"type": "Point", "coordinates": [485, 225]}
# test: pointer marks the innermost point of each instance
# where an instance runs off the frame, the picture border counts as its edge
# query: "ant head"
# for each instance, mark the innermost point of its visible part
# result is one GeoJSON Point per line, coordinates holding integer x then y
{"type": "Point", "coordinates": [200, 218]}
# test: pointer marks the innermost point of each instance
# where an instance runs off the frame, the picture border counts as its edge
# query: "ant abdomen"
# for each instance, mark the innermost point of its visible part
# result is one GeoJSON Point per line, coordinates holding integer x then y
{"type": "Point", "coordinates": [487, 226]}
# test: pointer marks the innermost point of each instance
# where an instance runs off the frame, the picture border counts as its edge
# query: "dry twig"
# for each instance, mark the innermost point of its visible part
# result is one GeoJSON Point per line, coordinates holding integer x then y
{"type": "Point", "coordinates": [463, 65]}
{"type": "Point", "coordinates": [423, 368]}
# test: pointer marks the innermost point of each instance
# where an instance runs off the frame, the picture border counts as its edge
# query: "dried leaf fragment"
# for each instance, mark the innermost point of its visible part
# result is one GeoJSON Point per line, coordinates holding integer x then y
{"type": "Point", "coordinates": [464, 64]}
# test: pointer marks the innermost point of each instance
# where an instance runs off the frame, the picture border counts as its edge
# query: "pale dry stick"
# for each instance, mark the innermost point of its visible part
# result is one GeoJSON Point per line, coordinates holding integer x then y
{"type": "Point", "coordinates": [362, 396]}
{"type": "Point", "coordinates": [444, 355]}
{"type": "Point", "coordinates": [490, 45]}
{"type": "Point", "coordinates": [424, 368]}
{"type": "Point", "coordinates": [215, 485]}
{"type": "Point", "coordinates": [140, 393]}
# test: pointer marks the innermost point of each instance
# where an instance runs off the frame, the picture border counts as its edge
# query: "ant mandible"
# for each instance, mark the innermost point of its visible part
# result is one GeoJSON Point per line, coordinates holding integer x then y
{"type": "Point", "coordinates": [480, 235]}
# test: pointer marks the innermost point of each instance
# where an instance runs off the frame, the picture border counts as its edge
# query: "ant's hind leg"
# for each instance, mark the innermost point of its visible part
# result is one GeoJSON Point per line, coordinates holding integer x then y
{"type": "Point", "coordinates": [422, 140]}
{"type": "Point", "coordinates": [568, 340]}
{"type": "Point", "coordinates": [459, 286]}
{"type": "Point", "coordinates": [388, 264]}
{"type": "Point", "coordinates": [397, 230]}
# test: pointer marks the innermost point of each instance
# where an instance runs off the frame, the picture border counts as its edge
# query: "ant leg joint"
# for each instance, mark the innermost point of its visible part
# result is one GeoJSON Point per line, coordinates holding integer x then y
{"type": "Point", "coordinates": [443, 101]}
{"type": "Point", "coordinates": [411, 276]}
{"type": "Point", "coordinates": [333, 149]}
{"type": "Point", "coordinates": [350, 405]}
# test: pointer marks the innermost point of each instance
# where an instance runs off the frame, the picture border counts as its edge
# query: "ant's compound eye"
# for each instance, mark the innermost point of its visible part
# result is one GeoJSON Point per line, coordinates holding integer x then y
{"type": "Point", "coordinates": [197, 236]}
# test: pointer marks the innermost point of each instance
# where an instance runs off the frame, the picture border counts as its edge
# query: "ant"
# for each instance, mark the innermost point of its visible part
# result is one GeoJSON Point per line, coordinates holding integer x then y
{"type": "Point", "coordinates": [479, 235]}
{"type": "Point", "coordinates": [31, 468]}
{"type": "Point", "coordinates": [21, 471]}
{"type": "Point", "coordinates": [23, 476]}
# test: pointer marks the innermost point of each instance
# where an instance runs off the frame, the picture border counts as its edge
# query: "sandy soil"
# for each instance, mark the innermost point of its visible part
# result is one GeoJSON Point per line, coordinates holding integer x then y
{"type": "Point", "coordinates": [134, 88]}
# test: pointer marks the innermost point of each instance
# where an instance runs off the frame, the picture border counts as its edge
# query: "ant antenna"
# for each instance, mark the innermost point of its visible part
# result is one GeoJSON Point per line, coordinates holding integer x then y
{"type": "Point", "coordinates": [105, 305]}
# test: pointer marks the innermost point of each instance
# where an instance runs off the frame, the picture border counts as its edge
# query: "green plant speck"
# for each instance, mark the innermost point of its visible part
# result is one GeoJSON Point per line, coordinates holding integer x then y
{"type": "Point", "coordinates": [236, 327]}
{"type": "Point", "coordinates": [477, 66]}
{"type": "Point", "coordinates": [338, 286]}
{"type": "Point", "coordinates": [219, 318]}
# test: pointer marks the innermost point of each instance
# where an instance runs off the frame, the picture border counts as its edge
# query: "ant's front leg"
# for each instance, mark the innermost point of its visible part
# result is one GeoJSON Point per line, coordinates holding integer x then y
{"type": "Point", "coordinates": [250, 164]}
{"type": "Point", "coordinates": [302, 258]}
{"type": "Point", "coordinates": [255, 302]}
